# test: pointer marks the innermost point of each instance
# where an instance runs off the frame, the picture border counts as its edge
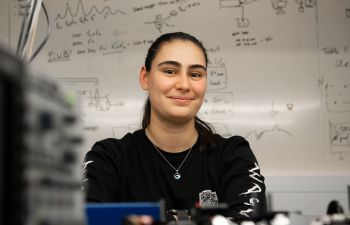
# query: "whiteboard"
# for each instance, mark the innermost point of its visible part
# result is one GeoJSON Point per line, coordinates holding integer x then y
{"type": "Point", "coordinates": [278, 73]}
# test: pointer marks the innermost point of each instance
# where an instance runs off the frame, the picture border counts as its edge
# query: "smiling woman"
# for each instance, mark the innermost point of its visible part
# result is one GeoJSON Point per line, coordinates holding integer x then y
{"type": "Point", "coordinates": [176, 84]}
{"type": "Point", "coordinates": [176, 156]}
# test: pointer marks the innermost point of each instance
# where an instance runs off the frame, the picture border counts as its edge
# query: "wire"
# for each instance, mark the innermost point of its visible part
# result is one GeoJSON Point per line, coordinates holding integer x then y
{"type": "Point", "coordinates": [47, 35]}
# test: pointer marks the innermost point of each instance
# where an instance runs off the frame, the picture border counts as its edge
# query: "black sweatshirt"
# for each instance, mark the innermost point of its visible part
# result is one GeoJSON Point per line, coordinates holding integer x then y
{"type": "Point", "coordinates": [130, 169]}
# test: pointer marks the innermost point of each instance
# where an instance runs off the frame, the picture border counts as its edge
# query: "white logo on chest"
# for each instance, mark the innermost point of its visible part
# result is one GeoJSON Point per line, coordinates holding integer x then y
{"type": "Point", "coordinates": [208, 198]}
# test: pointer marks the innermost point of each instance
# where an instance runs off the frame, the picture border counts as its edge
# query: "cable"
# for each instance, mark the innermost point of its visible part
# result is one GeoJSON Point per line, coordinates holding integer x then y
{"type": "Point", "coordinates": [23, 38]}
{"type": "Point", "coordinates": [47, 35]}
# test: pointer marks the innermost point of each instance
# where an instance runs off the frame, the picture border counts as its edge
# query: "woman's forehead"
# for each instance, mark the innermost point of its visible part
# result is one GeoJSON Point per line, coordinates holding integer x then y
{"type": "Point", "coordinates": [180, 50]}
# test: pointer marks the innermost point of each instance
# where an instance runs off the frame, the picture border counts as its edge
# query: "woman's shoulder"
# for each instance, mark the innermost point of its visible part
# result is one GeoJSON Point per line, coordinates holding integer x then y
{"type": "Point", "coordinates": [231, 146]}
{"type": "Point", "coordinates": [112, 146]}
{"type": "Point", "coordinates": [231, 141]}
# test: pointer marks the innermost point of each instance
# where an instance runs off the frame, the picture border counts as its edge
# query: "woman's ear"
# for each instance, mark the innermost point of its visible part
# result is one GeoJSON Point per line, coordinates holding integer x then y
{"type": "Point", "coordinates": [143, 78]}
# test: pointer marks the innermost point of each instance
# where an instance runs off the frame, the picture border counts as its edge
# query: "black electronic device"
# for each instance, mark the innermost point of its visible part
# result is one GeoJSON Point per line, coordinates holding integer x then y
{"type": "Point", "coordinates": [40, 172]}
{"type": "Point", "coordinates": [11, 128]}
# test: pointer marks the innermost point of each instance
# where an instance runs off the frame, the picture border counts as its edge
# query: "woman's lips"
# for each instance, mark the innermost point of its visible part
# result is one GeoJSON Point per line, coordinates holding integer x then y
{"type": "Point", "coordinates": [181, 99]}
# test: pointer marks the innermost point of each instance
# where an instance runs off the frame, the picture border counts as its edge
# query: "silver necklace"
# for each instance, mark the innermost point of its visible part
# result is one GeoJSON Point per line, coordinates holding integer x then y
{"type": "Point", "coordinates": [177, 175]}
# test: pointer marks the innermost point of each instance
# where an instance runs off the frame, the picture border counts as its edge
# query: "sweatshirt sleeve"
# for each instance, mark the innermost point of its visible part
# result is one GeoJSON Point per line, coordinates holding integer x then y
{"type": "Point", "coordinates": [242, 185]}
{"type": "Point", "coordinates": [100, 169]}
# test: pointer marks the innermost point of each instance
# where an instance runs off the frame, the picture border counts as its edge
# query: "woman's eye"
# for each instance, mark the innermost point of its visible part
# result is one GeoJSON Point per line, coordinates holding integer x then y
{"type": "Point", "coordinates": [170, 72]}
{"type": "Point", "coordinates": [196, 75]}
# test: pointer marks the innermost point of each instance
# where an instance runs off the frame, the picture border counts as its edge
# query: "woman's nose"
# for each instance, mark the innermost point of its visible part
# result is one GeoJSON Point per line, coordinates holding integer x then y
{"type": "Point", "coordinates": [182, 81]}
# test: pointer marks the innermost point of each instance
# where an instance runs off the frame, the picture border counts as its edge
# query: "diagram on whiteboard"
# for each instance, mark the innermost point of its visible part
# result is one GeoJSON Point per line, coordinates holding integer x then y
{"type": "Point", "coordinates": [242, 21]}
{"type": "Point", "coordinates": [279, 6]}
{"type": "Point", "coordinates": [340, 138]}
{"type": "Point", "coordinates": [92, 101]}
{"type": "Point", "coordinates": [302, 4]}
{"type": "Point", "coordinates": [89, 93]}
{"type": "Point", "coordinates": [338, 97]}
{"type": "Point", "coordinates": [273, 113]}
{"type": "Point", "coordinates": [160, 21]}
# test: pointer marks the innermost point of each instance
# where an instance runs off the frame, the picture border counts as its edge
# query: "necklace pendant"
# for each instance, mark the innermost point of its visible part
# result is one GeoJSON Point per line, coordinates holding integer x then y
{"type": "Point", "coordinates": [177, 176]}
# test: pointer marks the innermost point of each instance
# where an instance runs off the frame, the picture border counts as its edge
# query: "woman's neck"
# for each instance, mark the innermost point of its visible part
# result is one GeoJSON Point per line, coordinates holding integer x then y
{"type": "Point", "coordinates": [171, 137]}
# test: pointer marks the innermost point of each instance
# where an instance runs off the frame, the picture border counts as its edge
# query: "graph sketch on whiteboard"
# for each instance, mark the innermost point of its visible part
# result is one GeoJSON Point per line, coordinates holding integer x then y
{"type": "Point", "coordinates": [82, 15]}
{"type": "Point", "coordinates": [259, 134]}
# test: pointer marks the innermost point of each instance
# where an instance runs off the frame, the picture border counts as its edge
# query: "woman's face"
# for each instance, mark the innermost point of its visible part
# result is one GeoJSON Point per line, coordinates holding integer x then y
{"type": "Point", "coordinates": [177, 81]}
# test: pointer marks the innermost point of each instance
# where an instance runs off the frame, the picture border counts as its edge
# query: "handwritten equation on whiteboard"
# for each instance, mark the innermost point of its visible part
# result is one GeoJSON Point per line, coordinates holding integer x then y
{"type": "Point", "coordinates": [91, 43]}
{"type": "Point", "coordinates": [217, 77]}
{"type": "Point", "coordinates": [217, 105]}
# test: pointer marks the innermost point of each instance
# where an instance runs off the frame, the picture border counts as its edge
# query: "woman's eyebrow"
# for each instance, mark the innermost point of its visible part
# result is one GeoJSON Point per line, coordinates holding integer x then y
{"type": "Point", "coordinates": [177, 64]}
{"type": "Point", "coordinates": [170, 62]}
{"type": "Point", "coordinates": [197, 66]}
